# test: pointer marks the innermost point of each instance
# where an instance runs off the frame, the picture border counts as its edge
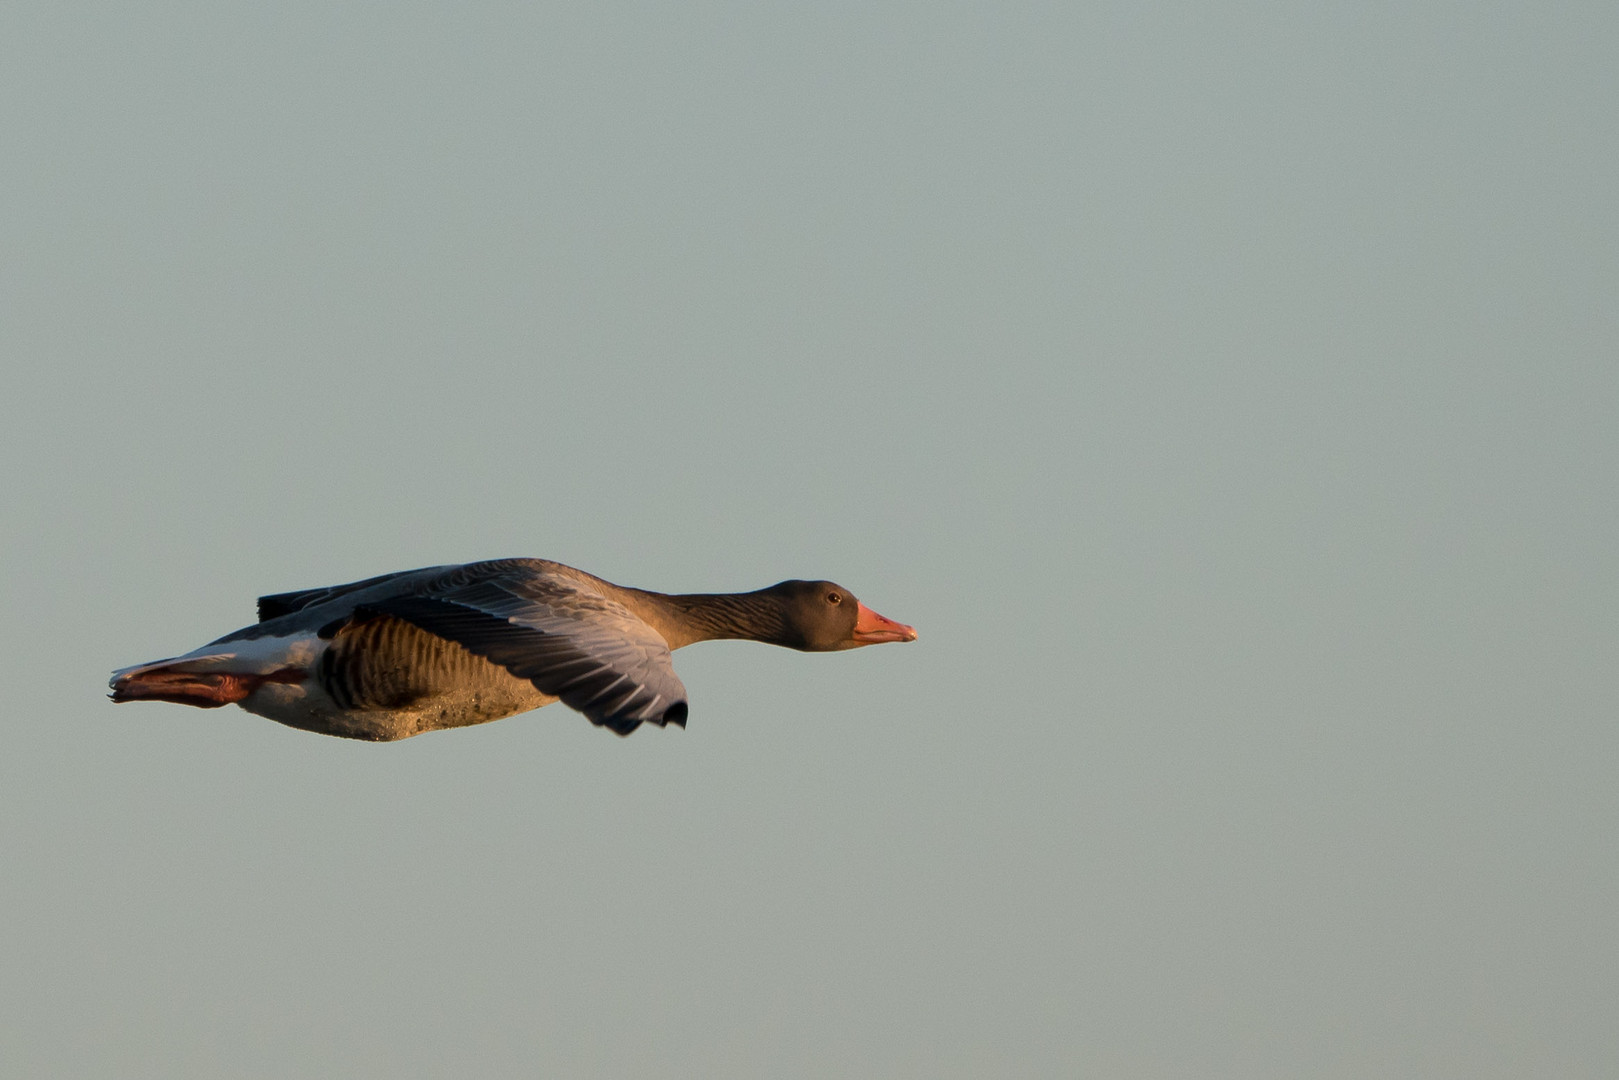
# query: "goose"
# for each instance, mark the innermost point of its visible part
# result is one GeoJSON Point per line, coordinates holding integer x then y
{"type": "Point", "coordinates": [451, 646]}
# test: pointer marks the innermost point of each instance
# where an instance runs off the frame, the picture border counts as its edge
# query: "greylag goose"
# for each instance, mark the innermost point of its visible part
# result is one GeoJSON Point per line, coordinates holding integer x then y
{"type": "Point", "coordinates": [449, 646]}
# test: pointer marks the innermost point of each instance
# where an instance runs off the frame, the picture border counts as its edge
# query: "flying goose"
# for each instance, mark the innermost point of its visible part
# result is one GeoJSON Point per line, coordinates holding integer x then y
{"type": "Point", "coordinates": [450, 646]}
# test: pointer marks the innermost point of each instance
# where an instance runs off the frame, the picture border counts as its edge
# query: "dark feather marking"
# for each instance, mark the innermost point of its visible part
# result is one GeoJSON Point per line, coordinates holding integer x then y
{"type": "Point", "coordinates": [277, 604]}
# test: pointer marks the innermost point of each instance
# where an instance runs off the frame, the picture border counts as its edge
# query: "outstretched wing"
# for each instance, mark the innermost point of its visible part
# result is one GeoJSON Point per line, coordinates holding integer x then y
{"type": "Point", "coordinates": [566, 638]}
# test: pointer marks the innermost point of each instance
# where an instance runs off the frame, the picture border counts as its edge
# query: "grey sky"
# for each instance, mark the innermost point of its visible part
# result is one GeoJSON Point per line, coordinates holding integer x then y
{"type": "Point", "coordinates": [1226, 393]}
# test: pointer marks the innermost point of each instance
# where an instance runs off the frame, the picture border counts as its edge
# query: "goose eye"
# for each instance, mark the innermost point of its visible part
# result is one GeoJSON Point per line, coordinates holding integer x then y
{"type": "Point", "coordinates": [834, 598]}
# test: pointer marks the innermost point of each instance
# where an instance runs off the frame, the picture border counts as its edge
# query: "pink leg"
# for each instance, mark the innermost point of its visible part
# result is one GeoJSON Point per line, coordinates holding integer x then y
{"type": "Point", "coordinates": [206, 690]}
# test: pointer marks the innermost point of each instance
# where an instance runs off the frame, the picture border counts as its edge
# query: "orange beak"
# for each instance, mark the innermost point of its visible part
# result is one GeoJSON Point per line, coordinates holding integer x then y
{"type": "Point", "coordinates": [871, 628]}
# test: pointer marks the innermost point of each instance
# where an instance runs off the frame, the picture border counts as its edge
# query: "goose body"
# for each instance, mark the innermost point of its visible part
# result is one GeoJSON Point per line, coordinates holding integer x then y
{"type": "Point", "coordinates": [450, 646]}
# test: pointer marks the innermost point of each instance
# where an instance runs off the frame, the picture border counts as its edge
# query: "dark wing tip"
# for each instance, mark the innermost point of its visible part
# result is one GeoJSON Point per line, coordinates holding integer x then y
{"type": "Point", "coordinates": [278, 604]}
{"type": "Point", "coordinates": [618, 725]}
{"type": "Point", "coordinates": [624, 724]}
{"type": "Point", "coordinates": [272, 607]}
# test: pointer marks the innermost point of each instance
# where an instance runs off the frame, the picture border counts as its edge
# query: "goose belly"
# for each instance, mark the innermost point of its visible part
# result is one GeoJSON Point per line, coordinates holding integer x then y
{"type": "Point", "coordinates": [384, 679]}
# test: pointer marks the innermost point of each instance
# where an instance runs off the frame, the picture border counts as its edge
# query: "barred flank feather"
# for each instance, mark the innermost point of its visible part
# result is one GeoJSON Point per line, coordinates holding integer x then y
{"type": "Point", "coordinates": [386, 663]}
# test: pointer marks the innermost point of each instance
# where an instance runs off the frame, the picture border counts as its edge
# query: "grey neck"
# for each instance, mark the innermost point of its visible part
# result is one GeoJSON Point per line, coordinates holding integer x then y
{"type": "Point", "coordinates": [691, 617]}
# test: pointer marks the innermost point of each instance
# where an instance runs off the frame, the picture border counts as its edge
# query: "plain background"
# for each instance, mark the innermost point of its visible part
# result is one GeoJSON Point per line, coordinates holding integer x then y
{"type": "Point", "coordinates": [1226, 392]}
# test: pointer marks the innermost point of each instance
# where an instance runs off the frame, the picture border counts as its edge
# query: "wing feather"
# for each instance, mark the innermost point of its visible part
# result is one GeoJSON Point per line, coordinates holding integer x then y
{"type": "Point", "coordinates": [578, 645]}
{"type": "Point", "coordinates": [278, 604]}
